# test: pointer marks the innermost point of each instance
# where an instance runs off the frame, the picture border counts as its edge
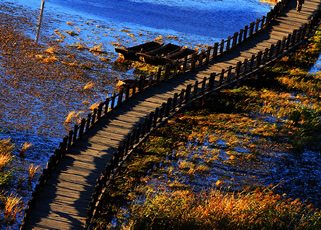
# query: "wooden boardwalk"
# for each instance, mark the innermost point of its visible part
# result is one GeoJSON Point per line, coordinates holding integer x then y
{"type": "Point", "coordinates": [63, 202]}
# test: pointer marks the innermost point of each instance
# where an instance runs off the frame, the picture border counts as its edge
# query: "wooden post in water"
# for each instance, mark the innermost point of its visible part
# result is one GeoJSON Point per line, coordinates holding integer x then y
{"type": "Point", "coordinates": [40, 20]}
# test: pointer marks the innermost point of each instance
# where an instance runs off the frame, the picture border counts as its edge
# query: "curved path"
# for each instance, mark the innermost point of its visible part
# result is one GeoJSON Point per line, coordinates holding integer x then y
{"type": "Point", "coordinates": [63, 202]}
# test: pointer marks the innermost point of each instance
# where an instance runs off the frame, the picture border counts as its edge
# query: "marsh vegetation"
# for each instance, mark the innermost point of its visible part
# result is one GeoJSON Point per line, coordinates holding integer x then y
{"type": "Point", "coordinates": [247, 158]}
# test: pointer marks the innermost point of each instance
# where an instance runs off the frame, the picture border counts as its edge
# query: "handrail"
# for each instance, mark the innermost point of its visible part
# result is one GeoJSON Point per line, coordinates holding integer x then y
{"type": "Point", "coordinates": [193, 93]}
{"type": "Point", "coordinates": [156, 118]}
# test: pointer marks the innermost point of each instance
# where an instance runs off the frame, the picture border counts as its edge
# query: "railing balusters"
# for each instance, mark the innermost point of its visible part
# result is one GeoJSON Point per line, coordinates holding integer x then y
{"type": "Point", "coordinates": [228, 77]}
{"type": "Point", "coordinates": [222, 47]}
{"type": "Point", "coordinates": [211, 82]}
{"type": "Point", "coordinates": [215, 50]}
{"type": "Point", "coordinates": [221, 78]}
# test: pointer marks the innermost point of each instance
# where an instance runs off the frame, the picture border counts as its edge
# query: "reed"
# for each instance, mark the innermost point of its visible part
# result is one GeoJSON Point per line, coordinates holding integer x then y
{"type": "Point", "coordinates": [32, 170]}
{"type": "Point", "coordinates": [12, 207]}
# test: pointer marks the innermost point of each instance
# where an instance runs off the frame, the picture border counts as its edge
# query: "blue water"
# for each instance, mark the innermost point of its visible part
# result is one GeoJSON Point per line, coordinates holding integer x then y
{"type": "Point", "coordinates": [189, 17]}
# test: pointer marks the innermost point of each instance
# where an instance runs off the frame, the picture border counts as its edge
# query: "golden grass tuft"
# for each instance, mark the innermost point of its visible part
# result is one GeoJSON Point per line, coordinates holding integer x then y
{"type": "Point", "coordinates": [94, 106]}
{"type": "Point", "coordinates": [32, 170]}
{"type": "Point", "coordinates": [49, 60]}
{"type": "Point", "coordinates": [89, 85]}
{"type": "Point", "coordinates": [4, 160]}
{"type": "Point", "coordinates": [51, 50]}
{"type": "Point", "coordinates": [70, 23]}
{"type": "Point", "coordinates": [25, 147]}
{"type": "Point", "coordinates": [96, 48]}
{"type": "Point", "coordinates": [12, 207]}
{"type": "Point", "coordinates": [71, 116]}
{"type": "Point", "coordinates": [159, 38]}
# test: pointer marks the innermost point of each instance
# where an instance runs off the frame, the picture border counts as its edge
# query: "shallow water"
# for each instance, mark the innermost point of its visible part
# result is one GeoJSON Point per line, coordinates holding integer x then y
{"type": "Point", "coordinates": [195, 22]}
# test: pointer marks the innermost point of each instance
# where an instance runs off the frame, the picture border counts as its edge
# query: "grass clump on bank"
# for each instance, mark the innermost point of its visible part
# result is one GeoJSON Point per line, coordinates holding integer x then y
{"type": "Point", "coordinates": [10, 203]}
{"type": "Point", "coordinates": [215, 209]}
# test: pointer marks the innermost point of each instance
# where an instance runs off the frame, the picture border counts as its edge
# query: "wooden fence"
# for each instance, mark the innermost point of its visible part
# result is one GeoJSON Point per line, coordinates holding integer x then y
{"type": "Point", "coordinates": [173, 105]}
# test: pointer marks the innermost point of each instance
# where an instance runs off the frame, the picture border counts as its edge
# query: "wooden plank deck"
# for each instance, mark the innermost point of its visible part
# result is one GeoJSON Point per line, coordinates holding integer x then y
{"type": "Point", "coordinates": [63, 202]}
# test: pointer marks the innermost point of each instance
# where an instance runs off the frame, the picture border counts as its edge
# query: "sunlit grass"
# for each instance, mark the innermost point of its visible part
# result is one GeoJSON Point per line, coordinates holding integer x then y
{"type": "Point", "coordinates": [32, 170]}
{"type": "Point", "coordinates": [12, 207]}
{"type": "Point", "coordinates": [215, 209]}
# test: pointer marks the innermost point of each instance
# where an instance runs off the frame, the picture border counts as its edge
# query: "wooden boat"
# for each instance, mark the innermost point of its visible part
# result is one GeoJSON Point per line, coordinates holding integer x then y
{"type": "Point", "coordinates": [179, 55]}
{"type": "Point", "coordinates": [129, 53]}
{"type": "Point", "coordinates": [154, 56]}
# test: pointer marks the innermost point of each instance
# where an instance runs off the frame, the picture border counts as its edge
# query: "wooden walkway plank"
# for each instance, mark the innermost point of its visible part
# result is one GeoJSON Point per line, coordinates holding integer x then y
{"type": "Point", "coordinates": [63, 203]}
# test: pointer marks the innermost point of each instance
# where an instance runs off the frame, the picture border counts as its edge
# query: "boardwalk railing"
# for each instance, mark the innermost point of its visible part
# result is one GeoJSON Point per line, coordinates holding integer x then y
{"type": "Point", "coordinates": [192, 93]}
{"type": "Point", "coordinates": [173, 105]}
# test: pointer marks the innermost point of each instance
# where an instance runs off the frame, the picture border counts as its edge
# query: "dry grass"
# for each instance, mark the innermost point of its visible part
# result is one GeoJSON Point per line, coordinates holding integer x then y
{"type": "Point", "coordinates": [12, 207]}
{"type": "Point", "coordinates": [25, 147]}
{"type": "Point", "coordinates": [71, 116]}
{"type": "Point", "coordinates": [90, 85]}
{"type": "Point", "coordinates": [32, 170]}
{"type": "Point", "coordinates": [213, 209]}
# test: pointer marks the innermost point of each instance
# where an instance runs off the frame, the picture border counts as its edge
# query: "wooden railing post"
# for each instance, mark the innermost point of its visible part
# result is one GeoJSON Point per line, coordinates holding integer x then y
{"type": "Point", "coordinates": [221, 77]}
{"type": "Point", "coordinates": [203, 86]}
{"type": "Point", "coordinates": [282, 44]}
{"type": "Point", "coordinates": [200, 58]}
{"type": "Point", "coordinates": [181, 97]}
{"type": "Point", "coordinates": [211, 82]}
{"type": "Point", "coordinates": [251, 29]}
{"type": "Point", "coordinates": [208, 53]}
{"type": "Point", "coordinates": [127, 92]}
{"type": "Point", "coordinates": [168, 106]}
{"type": "Point", "coordinates": [304, 31]}
{"type": "Point", "coordinates": [81, 129]}
{"type": "Point", "coordinates": [141, 83]}
{"type": "Point", "coordinates": [277, 48]}
{"type": "Point", "coordinates": [222, 47]}
{"type": "Point", "coordinates": [188, 93]}
{"type": "Point", "coordinates": [245, 32]}
{"type": "Point", "coordinates": [193, 63]}
{"type": "Point", "coordinates": [113, 98]}
{"type": "Point", "coordinates": [156, 115]}
{"type": "Point", "coordinates": [215, 50]}
{"type": "Point", "coordinates": [271, 52]}
{"type": "Point", "coordinates": [120, 97]}
{"type": "Point", "coordinates": [228, 77]}
{"type": "Point", "coordinates": [88, 122]}
{"type": "Point", "coordinates": [240, 36]}
{"type": "Point", "coordinates": [244, 67]}
{"type": "Point", "coordinates": [99, 112]}
{"type": "Point", "coordinates": [235, 39]}
{"type": "Point", "coordinates": [258, 59]}
{"type": "Point", "coordinates": [293, 38]}
{"type": "Point", "coordinates": [167, 71]}
{"type": "Point", "coordinates": [257, 25]}
{"type": "Point", "coordinates": [288, 42]}
{"type": "Point", "coordinates": [237, 70]}
{"type": "Point", "coordinates": [228, 43]}
{"type": "Point", "coordinates": [262, 23]}
{"type": "Point", "coordinates": [268, 18]}
{"type": "Point", "coordinates": [174, 102]}
{"type": "Point", "coordinates": [75, 133]}
{"type": "Point", "coordinates": [195, 89]}
{"type": "Point", "coordinates": [265, 55]}
{"type": "Point", "coordinates": [159, 73]}
{"type": "Point", "coordinates": [94, 117]}
{"type": "Point", "coordinates": [252, 62]}
{"type": "Point", "coordinates": [184, 65]}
